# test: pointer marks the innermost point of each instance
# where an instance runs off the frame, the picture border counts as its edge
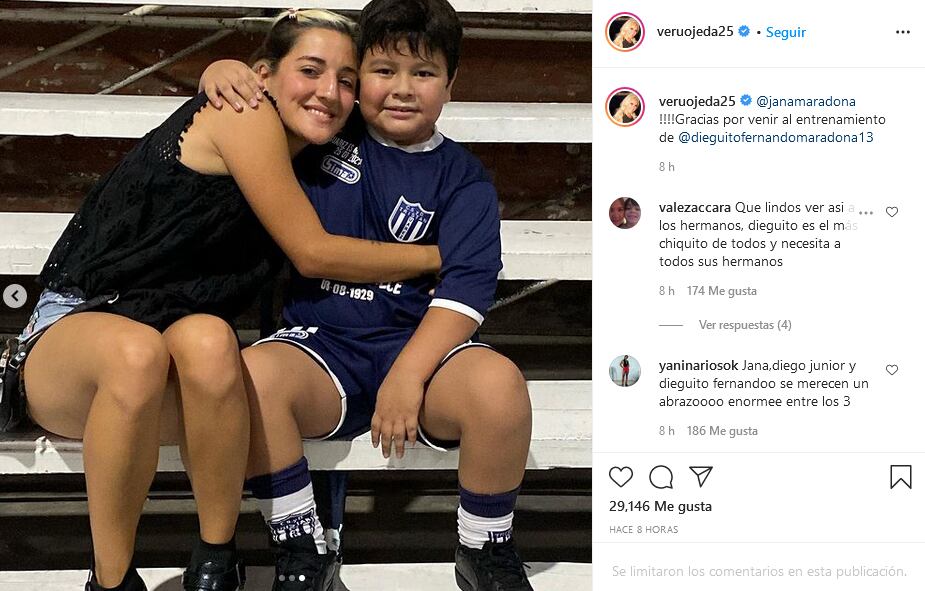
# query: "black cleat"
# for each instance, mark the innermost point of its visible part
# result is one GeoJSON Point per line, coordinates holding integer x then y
{"type": "Point", "coordinates": [299, 567]}
{"type": "Point", "coordinates": [131, 582]}
{"type": "Point", "coordinates": [214, 576]}
{"type": "Point", "coordinates": [496, 567]}
{"type": "Point", "coordinates": [338, 563]}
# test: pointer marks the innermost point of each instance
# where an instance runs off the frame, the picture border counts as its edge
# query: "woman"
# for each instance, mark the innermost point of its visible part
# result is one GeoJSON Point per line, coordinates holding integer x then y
{"type": "Point", "coordinates": [627, 111]}
{"type": "Point", "coordinates": [617, 212]}
{"type": "Point", "coordinates": [625, 38]}
{"type": "Point", "coordinates": [631, 212]}
{"type": "Point", "coordinates": [131, 343]}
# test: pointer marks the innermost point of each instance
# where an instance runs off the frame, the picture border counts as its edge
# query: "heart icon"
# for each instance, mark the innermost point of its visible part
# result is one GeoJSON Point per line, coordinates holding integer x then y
{"type": "Point", "coordinates": [621, 475]}
{"type": "Point", "coordinates": [892, 369]}
{"type": "Point", "coordinates": [892, 211]}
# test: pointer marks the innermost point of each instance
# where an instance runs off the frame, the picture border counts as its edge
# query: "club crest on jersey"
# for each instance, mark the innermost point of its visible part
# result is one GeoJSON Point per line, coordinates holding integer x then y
{"type": "Point", "coordinates": [340, 169]}
{"type": "Point", "coordinates": [409, 221]}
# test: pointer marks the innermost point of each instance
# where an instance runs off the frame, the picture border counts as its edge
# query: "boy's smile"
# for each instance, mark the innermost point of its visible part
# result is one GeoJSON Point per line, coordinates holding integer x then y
{"type": "Point", "coordinates": [401, 94]}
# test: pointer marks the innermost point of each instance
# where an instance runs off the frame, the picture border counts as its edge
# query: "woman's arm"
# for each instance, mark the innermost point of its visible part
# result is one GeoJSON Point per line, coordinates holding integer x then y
{"type": "Point", "coordinates": [253, 147]}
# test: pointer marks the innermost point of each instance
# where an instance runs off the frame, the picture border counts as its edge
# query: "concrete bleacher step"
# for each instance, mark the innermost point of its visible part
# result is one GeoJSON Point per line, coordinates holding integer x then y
{"type": "Point", "coordinates": [561, 438]}
{"type": "Point", "coordinates": [544, 576]}
{"type": "Point", "coordinates": [521, 6]}
{"type": "Point", "coordinates": [125, 116]}
{"type": "Point", "coordinates": [530, 249]}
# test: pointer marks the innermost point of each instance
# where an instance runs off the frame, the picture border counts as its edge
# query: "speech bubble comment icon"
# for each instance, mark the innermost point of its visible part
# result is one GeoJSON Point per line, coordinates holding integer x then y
{"type": "Point", "coordinates": [621, 475]}
{"type": "Point", "coordinates": [661, 477]}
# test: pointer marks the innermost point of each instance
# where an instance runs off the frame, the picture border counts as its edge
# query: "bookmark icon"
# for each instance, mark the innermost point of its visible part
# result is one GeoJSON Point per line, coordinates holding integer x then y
{"type": "Point", "coordinates": [901, 474]}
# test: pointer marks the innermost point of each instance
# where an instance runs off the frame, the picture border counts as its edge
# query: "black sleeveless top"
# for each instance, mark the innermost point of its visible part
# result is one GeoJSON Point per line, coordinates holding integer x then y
{"type": "Point", "coordinates": [168, 240]}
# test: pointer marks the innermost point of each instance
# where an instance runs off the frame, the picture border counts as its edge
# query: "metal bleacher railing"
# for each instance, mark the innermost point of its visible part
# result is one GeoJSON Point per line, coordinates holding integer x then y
{"type": "Point", "coordinates": [88, 115]}
{"type": "Point", "coordinates": [500, 6]}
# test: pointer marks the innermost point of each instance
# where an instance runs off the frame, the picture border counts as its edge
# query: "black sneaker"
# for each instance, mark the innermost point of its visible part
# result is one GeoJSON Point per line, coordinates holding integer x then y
{"type": "Point", "coordinates": [131, 582]}
{"type": "Point", "coordinates": [496, 567]}
{"type": "Point", "coordinates": [338, 563]}
{"type": "Point", "coordinates": [214, 576]}
{"type": "Point", "coordinates": [299, 567]}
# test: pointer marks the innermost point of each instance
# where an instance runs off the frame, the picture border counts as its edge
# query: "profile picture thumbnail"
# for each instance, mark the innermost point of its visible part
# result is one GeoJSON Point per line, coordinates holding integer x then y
{"type": "Point", "coordinates": [625, 212]}
{"type": "Point", "coordinates": [625, 31]}
{"type": "Point", "coordinates": [625, 107]}
{"type": "Point", "coordinates": [624, 370]}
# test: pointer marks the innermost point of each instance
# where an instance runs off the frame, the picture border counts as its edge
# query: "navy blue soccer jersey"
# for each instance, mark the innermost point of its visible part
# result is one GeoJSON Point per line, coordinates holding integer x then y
{"type": "Point", "coordinates": [441, 194]}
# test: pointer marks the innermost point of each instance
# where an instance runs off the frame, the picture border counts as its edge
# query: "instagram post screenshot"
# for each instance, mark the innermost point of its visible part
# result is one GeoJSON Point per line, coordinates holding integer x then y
{"type": "Point", "coordinates": [756, 321]}
{"type": "Point", "coordinates": [299, 298]}
{"type": "Point", "coordinates": [478, 295]}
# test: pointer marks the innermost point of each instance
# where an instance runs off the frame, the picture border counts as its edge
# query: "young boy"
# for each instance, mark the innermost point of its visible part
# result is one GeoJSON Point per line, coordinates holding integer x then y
{"type": "Point", "coordinates": [391, 357]}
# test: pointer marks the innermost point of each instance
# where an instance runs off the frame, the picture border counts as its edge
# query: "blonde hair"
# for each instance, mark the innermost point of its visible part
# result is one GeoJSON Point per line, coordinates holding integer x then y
{"type": "Point", "coordinates": [621, 36]}
{"type": "Point", "coordinates": [290, 24]}
{"type": "Point", "coordinates": [619, 108]}
{"type": "Point", "coordinates": [622, 108]}
{"type": "Point", "coordinates": [318, 17]}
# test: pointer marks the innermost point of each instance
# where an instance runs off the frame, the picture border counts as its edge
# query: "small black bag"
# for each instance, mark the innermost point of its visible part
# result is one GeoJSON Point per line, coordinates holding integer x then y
{"type": "Point", "coordinates": [12, 389]}
{"type": "Point", "coordinates": [12, 396]}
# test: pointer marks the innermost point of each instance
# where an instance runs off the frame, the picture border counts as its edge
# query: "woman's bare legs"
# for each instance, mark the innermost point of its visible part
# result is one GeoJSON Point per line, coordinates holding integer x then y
{"type": "Point", "coordinates": [291, 396]}
{"type": "Point", "coordinates": [213, 413]}
{"type": "Point", "coordinates": [101, 378]}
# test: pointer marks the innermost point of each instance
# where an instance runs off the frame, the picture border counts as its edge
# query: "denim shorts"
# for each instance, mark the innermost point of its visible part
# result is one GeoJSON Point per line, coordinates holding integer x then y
{"type": "Point", "coordinates": [51, 308]}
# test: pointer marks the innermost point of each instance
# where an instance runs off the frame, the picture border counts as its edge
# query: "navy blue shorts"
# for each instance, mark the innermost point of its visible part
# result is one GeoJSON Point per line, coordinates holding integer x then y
{"type": "Point", "coordinates": [357, 369]}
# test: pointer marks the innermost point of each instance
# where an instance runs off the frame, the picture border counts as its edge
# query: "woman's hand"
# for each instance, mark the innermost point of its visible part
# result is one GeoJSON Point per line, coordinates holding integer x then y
{"type": "Point", "coordinates": [233, 81]}
{"type": "Point", "coordinates": [397, 406]}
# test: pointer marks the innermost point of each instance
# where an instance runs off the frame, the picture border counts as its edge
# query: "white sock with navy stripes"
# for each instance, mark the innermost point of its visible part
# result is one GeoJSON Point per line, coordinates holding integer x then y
{"type": "Point", "coordinates": [485, 518]}
{"type": "Point", "coordinates": [287, 503]}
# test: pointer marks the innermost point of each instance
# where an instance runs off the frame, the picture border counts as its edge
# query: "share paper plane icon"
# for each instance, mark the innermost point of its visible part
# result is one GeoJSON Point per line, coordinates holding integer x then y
{"type": "Point", "coordinates": [702, 473]}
